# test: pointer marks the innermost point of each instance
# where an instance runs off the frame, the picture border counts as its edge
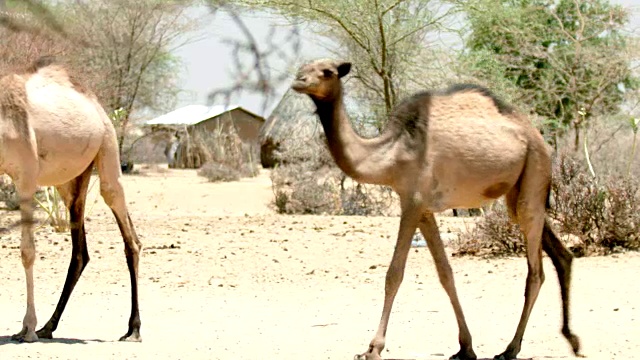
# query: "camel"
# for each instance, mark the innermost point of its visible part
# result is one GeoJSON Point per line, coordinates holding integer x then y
{"type": "Point", "coordinates": [456, 148]}
{"type": "Point", "coordinates": [52, 133]}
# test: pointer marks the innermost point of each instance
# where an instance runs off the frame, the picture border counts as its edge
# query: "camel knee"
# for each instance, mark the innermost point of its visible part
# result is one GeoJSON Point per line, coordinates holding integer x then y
{"type": "Point", "coordinates": [28, 255]}
{"type": "Point", "coordinates": [132, 249]}
{"type": "Point", "coordinates": [393, 279]}
{"type": "Point", "coordinates": [535, 277]}
{"type": "Point", "coordinates": [445, 275]}
{"type": "Point", "coordinates": [113, 194]}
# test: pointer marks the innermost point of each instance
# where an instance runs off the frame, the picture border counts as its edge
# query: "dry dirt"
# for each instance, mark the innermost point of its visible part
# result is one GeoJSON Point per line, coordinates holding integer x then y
{"type": "Point", "coordinates": [224, 277]}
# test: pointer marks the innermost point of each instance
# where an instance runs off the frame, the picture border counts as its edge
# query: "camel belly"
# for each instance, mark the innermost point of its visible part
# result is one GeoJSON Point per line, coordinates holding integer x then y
{"type": "Point", "coordinates": [473, 162]}
{"type": "Point", "coordinates": [61, 163]}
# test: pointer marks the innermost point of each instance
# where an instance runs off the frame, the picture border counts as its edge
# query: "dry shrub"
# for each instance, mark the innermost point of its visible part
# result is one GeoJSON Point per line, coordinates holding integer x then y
{"type": "Point", "coordinates": [228, 157]}
{"type": "Point", "coordinates": [216, 172]}
{"type": "Point", "coordinates": [603, 214]}
{"type": "Point", "coordinates": [307, 181]}
{"type": "Point", "coordinates": [303, 188]}
{"type": "Point", "coordinates": [192, 153]}
{"type": "Point", "coordinates": [494, 235]}
{"type": "Point", "coordinates": [8, 193]}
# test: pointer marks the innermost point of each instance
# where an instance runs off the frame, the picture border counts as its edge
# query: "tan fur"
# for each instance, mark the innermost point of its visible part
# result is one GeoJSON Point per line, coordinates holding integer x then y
{"type": "Point", "coordinates": [460, 148]}
{"type": "Point", "coordinates": [52, 135]}
{"type": "Point", "coordinates": [13, 104]}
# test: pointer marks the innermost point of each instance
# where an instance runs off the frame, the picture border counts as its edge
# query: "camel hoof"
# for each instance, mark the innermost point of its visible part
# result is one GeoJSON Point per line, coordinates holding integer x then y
{"type": "Point", "coordinates": [504, 356]}
{"type": "Point", "coordinates": [367, 356]}
{"type": "Point", "coordinates": [574, 341]}
{"type": "Point", "coordinates": [25, 336]}
{"type": "Point", "coordinates": [464, 355]}
{"type": "Point", "coordinates": [44, 333]}
{"type": "Point", "coordinates": [133, 336]}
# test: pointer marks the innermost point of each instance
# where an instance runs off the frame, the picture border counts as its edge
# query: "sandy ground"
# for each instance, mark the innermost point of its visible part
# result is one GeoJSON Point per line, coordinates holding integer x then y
{"type": "Point", "coordinates": [241, 282]}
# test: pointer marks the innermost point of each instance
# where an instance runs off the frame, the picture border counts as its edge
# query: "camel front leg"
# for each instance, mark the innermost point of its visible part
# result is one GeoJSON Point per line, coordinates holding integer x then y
{"type": "Point", "coordinates": [429, 229]}
{"type": "Point", "coordinates": [395, 274]}
{"type": "Point", "coordinates": [28, 254]}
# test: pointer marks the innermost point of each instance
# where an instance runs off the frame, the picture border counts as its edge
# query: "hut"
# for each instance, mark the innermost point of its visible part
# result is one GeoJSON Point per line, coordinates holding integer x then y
{"type": "Point", "coordinates": [195, 125]}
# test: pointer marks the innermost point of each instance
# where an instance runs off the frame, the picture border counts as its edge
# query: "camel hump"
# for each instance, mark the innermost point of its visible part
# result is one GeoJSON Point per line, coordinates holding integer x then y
{"type": "Point", "coordinates": [48, 67]}
{"type": "Point", "coordinates": [42, 62]}
{"type": "Point", "coordinates": [503, 107]}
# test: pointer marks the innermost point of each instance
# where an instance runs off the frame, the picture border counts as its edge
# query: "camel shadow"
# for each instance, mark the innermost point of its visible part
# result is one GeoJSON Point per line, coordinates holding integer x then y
{"type": "Point", "coordinates": [491, 358]}
{"type": "Point", "coordinates": [6, 340]}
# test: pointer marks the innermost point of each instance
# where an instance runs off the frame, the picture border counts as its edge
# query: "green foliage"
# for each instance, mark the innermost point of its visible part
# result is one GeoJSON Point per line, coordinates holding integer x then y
{"type": "Point", "coordinates": [562, 56]}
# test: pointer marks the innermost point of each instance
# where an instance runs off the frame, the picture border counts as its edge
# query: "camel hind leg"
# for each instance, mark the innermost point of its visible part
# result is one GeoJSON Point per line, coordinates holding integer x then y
{"type": "Point", "coordinates": [562, 259]}
{"type": "Point", "coordinates": [526, 202]}
{"type": "Point", "coordinates": [74, 194]}
{"type": "Point", "coordinates": [108, 164]}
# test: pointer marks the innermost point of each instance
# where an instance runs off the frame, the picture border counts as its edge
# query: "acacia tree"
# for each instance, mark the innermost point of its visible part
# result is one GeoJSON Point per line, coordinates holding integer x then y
{"type": "Point", "coordinates": [383, 38]}
{"type": "Point", "coordinates": [568, 59]}
{"type": "Point", "coordinates": [130, 46]}
{"type": "Point", "coordinates": [121, 49]}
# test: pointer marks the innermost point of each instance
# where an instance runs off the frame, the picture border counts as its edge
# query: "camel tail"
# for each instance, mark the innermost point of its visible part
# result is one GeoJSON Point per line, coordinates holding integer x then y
{"type": "Point", "coordinates": [547, 204]}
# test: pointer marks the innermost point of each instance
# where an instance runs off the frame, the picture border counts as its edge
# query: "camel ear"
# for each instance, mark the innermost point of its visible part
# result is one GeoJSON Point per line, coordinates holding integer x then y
{"type": "Point", "coordinates": [343, 69]}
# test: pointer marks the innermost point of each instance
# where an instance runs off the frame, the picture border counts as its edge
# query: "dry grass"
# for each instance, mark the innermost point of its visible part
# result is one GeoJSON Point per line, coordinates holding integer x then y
{"type": "Point", "coordinates": [224, 156]}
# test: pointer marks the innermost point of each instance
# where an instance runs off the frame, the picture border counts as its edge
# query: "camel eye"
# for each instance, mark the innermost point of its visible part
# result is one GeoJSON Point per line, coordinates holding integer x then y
{"type": "Point", "coordinates": [327, 73]}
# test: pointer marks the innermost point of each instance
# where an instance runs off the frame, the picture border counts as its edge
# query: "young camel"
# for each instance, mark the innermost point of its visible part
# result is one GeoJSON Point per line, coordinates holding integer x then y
{"type": "Point", "coordinates": [453, 149]}
{"type": "Point", "coordinates": [52, 133]}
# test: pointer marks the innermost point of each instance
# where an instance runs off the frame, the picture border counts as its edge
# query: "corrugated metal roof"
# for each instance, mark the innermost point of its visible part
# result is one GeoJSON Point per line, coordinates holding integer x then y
{"type": "Point", "coordinates": [191, 114]}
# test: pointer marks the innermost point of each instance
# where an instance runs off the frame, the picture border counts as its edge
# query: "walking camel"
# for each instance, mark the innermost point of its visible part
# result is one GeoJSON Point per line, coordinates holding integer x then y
{"type": "Point", "coordinates": [52, 133]}
{"type": "Point", "coordinates": [452, 149]}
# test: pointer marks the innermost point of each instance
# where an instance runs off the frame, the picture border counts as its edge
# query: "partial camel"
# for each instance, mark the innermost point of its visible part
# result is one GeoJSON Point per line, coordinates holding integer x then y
{"type": "Point", "coordinates": [457, 148]}
{"type": "Point", "coordinates": [52, 133]}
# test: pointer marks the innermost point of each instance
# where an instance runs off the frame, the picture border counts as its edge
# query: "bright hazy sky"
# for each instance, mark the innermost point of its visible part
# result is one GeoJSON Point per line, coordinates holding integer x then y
{"type": "Point", "coordinates": [207, 62]}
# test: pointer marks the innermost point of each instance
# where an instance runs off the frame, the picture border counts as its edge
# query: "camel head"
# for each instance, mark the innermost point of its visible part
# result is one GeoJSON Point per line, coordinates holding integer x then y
{"type": "Point", "coordinates": [320, 79]}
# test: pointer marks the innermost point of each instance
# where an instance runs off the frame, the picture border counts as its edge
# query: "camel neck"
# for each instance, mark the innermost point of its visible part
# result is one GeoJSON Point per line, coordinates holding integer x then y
{"type": "Point", "coordinates": [365, 160]}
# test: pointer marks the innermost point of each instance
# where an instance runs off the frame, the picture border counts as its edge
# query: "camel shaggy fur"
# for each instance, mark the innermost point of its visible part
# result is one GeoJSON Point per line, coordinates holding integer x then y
{"type": "Point", "coordinates": [457, 148]}
{"type": "Point", "coordinates": [52, 133]}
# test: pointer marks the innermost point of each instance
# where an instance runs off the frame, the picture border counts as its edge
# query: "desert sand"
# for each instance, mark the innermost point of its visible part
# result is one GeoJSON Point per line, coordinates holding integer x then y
{"type": "Point", "coordinates": [222, 276]}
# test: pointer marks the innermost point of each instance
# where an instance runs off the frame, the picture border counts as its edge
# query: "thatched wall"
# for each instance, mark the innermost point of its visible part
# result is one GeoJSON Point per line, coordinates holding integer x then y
{"type": "Point", "coordinates": [293, 118]}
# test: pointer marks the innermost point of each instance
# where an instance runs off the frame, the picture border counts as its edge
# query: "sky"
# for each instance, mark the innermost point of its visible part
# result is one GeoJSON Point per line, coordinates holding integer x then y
{"type": "Point", "coordinates": [207, 63]}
